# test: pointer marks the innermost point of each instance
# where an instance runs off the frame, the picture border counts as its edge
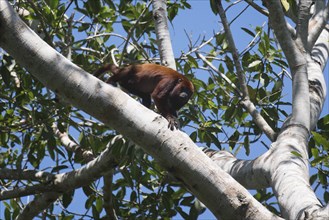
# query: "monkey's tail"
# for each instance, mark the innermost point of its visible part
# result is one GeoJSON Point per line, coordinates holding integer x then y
{"type": "Point", "coordinates": [106, 68]}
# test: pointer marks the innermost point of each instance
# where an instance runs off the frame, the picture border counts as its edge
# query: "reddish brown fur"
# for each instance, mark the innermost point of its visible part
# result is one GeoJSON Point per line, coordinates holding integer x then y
{"type": "Point", "coordinates": [169, 89]}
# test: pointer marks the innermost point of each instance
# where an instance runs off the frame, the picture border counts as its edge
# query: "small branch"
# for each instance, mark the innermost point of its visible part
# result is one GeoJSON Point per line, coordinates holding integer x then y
{"type": "Point", "coordinates": [302, 24]}
{"type": "Point", "coordinates": [234, 51]}
{"type": "Point", "coordinates": [70, 145]}
{"type": "Point", "coordinates": [257, 7]}
{"type": "Point", "coordinates": [195, 49]}
{"type": "Point", "coordinates": [108, 197]}
{"type": "Point", "coordinates": [31, 175]}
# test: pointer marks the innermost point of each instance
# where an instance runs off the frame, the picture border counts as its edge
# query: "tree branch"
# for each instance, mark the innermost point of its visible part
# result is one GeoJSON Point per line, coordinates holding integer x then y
{"type": "Point", "coordinates": [31, 175]}
{"type": "Point", "coordinates": [240, 73]}
{"type": "Point", "coordinates": [162, 33]}
{"type": "Point", "coordinates": [39, 203]}
{"type": "Point", "coordinates": [296, 57]}
{"type": "Point", "coordinates": [249, 173]}
{"type": "Point", "coordinates": [257, 7]}
{"type": "Point", "coordinates": [108, 196]}
{"type": "Point", "coordinates": [317, 24]}
{"type": "Point", "coordinates": [317, 84]}
{"type": "Point", "coordinates": [302, 24]}
{"type": "Point", "coordinates": [70, 145]}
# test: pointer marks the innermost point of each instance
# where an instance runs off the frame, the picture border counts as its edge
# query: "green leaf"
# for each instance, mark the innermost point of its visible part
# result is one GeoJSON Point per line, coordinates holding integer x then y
{"type": "Point", "coordinates": [213, 6]}
{"type": "Point", "coordinates": [247, 145]}
{"type": "Point", "coordinates": [319, 139]}
{"type": "Point", "coordinates": [322, 178]}
{"type": "Point", "coordinates": [254, 63]}
{"type": "Point", "coordinates": [53, 4]}
{"type": "Point", "coordinates": [99, 204]}
{"type": "Point", "coordinates": [5, 75]}
{"type": "Point", "coordinates": [94, 6]}
{"type": "Point", "coordinates": [58, 168]}
{"type": "Point", "coordinates": [326, 197]}
{"type": "Point", "coordinates": [285, 5]}
{"type": "Point", "coordinates": [248, 31]}
{"type": "Point", "coordinates": [67, 198]}
{"type": "Point", "coordinates": [296, 153]}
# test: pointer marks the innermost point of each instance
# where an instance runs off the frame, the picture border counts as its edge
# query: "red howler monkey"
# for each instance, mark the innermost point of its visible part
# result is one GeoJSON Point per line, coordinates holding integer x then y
{"type": "Point", "coordinates": [169, 89]}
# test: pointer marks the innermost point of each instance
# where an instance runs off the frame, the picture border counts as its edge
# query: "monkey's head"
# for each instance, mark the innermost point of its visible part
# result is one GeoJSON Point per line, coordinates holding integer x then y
{"type": "Point", "coordinates": [181, 93]}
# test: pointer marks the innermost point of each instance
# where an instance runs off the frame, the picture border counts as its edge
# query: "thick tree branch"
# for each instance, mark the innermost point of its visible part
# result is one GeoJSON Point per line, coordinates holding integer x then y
{"type": "Point", "coordinates": [317, 24]}
{"type": "Point", "coordinates": [162, 33]}
{"type": "Point", "coordinates": [315, 66]}
{"type": "Point", "coordinates": [296, 57]}
{"type": "Point", "coordinates": [39, 203]}
{"type": "Point", "coordinates": [252, 174]}
{"type": "Point", "coordinates": [302, 24]}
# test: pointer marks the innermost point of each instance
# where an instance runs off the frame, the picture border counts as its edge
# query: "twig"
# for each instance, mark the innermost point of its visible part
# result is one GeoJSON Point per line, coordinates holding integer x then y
{"type": "Point", "coordinates": [108, 198]}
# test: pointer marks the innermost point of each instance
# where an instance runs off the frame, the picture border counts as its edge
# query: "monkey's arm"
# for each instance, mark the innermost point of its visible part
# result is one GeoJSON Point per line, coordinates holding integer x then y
{"type": "Point", "coordinates": [162, 100]}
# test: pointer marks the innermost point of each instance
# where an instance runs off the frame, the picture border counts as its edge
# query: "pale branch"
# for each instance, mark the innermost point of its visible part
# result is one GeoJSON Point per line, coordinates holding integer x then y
{"type": "Point", "coordinates": [62, 183]}
{"type": "Point", "coordinates": [317, 24]}
{"type": "Point", "coordinates": [287, 43]}
{"type": "Point", "coordinates": [108, 196]}
{"type": "Point", "coordinates": [32, 175]}
{"type": "Point", "coordinates": [68, 181]}
{"type": "Point", "coordinates": [72, 146]}
{"type": "Point", "coordinates": [249, 173]}
{"type": "Point", "coordinates": [296, 57]}
{"type": "Point", "coordinates": [317, 84]}
{"type": "Point", "coordinates": [287, 163]}
{"type": "Point", "coordinates": [319, 214]}
{"type": "Point", "coordinates": [320, 51]}
{"type": "Point", "coordinates": [162, 33]}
